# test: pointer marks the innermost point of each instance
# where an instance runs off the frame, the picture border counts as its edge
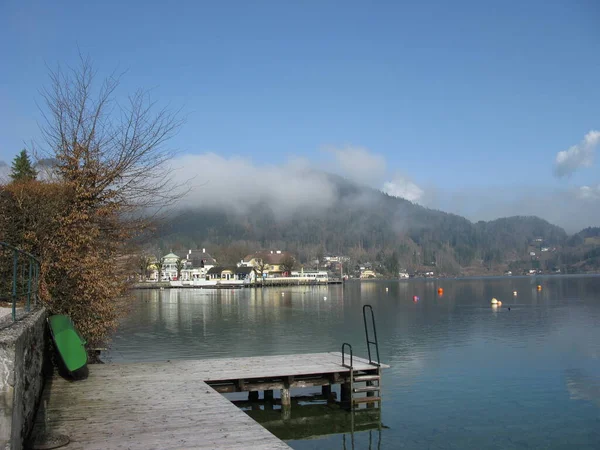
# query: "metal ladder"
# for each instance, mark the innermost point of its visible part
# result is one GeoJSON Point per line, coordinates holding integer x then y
{"type": "Point", "coordinates": [374, 329]}
{"type": "Point", "coordinates": [370, 378]}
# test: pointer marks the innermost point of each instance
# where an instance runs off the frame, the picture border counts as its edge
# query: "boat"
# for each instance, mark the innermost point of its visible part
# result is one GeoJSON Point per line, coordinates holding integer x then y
{"type": "Point", "coordinates": [70, 346]}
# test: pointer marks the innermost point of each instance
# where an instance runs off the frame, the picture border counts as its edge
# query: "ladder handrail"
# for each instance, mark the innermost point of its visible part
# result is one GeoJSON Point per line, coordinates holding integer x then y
{"type": "Point", "coordinates": [371, 342]}
{"type": "Point", "coordinates": [344, 354]}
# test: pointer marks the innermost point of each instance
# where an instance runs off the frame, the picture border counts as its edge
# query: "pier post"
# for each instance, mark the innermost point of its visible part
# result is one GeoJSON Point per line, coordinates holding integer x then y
{"type": "Point", "coordinates": [253, 396]}
{"type": "Point", "coordinates": [286, 412]}
{"type": "Point", "coordinates": [346, 395]}
{"type": "Point", "coordinates": [326, 390]}
{"type": "Point", "coordinates": [286, 399]}
{"type": "Point", "coordinates": [269, 395]}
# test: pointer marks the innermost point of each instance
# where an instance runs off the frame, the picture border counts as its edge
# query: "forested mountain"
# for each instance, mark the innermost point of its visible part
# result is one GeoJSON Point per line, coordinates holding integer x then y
{"type": "Point", "coordinates": [370, 226]}
{"type": "Point", "coordinates": [582, 251]}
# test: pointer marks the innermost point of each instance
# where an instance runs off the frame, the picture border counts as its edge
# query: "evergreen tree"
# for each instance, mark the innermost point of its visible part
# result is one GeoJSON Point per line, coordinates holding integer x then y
{"type": "Point", "coordinates": [22, 169]}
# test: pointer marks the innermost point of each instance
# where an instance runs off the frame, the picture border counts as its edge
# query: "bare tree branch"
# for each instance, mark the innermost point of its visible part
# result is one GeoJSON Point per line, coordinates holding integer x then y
{"type": "Point", "coordinates": [116, 153]}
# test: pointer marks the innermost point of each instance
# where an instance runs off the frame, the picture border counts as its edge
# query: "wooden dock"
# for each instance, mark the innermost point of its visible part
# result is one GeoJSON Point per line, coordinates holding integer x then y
{"type": "Point", "coordinates": [176, 404]}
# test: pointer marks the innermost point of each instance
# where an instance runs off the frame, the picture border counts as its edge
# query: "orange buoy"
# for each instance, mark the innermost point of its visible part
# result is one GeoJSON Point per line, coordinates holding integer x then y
{"type": "Point", "coordinates": [539, 287]}
{"type": "Point", "coordinates": [440, 291]}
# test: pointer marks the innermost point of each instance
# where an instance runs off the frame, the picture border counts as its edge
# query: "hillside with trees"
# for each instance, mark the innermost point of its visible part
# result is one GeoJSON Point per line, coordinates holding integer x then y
{"type": "Point", "coordinates": [391, 233]}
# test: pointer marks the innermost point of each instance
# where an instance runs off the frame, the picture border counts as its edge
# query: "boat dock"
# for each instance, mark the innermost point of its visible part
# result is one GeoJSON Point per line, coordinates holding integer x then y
{"type": "Point", "coordinates": [177, 404]}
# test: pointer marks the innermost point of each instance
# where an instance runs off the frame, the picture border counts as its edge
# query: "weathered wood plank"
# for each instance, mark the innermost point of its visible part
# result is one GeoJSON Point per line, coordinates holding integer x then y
{"type": "Point", "coordinates": [169, 405]}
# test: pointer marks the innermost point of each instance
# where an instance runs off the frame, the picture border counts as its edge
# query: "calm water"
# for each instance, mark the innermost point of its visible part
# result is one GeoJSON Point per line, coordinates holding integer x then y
{"type": "Point", "coordinates": [463, 375]}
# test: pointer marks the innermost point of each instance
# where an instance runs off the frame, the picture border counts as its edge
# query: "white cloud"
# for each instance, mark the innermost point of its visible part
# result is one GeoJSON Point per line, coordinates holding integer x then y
{"type": "Point", "coordinates": [359, 164]}
{"type": "Point", "coordinates": [580, 155]}
{"type": "Point", "coordinates": [589, 192]}
{"type": "Point", "coordinates": [402, 187]}
{"type": "Point", "coordinates": [236, 183]}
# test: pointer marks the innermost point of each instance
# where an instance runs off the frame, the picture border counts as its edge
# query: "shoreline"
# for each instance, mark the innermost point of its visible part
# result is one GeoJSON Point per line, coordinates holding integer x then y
{"type": "Point", "coordinates": [279, 284]}
{"type": "Point", "coordinates": [150, 285]}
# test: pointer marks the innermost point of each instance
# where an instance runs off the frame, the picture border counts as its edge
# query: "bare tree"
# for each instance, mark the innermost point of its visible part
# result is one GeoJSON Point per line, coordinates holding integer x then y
{"type": "Point", "coordinates": [320, 255]}
{"type": "Point", "coordinates": [159, 264]}
{"type": "Point", "coordinates": [143, 264]}
{"type": "Point", "coordinates": [260, 265]}
{"type": "Point", "coordinates": [287, 263]}
{"type": "Point", "coordinates": [110, 169]}
{"type": "Point", "coordinates": [115, 153]}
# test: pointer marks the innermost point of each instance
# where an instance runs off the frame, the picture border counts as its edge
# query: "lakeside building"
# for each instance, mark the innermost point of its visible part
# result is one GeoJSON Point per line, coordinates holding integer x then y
{"type": "Point", "coordinates": [231, 275]}
{"type": "Point", "coordinates": [271, 262]}
{"type": "Point", "coordinates": [196, 265]}
{"type": "Point", "coordinates": [367, 273]}
{"type": "Point", "coordinates": [198, 268]}
{"type": "Point", "coordinates": [169, 269]}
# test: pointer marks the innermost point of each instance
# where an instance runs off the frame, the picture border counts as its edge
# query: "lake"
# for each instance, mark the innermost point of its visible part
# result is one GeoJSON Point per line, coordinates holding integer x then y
{"type": "Point", "coordinates": [463, 375]}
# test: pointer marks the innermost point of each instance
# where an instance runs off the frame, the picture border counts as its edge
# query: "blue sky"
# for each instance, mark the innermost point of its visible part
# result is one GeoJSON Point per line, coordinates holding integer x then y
{"type": "Point", "coordinates": [467, 102]}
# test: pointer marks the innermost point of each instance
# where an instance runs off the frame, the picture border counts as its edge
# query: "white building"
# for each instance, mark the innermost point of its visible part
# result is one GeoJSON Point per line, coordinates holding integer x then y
{"type": "Point", "coordinates": [169, 270]}
{"type": "Point", "coordinates": [196, 265]}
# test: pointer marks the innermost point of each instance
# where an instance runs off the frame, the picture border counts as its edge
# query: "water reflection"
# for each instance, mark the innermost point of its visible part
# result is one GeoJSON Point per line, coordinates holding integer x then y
{"type": "Point", "coordinates": [463, 375]}
{"type": "Point", "coordinates": [310, 420]}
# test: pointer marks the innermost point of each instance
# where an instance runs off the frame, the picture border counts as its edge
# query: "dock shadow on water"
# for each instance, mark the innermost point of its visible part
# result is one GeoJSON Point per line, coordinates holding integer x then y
{"type": "Point", "coordinates": [314, 417]}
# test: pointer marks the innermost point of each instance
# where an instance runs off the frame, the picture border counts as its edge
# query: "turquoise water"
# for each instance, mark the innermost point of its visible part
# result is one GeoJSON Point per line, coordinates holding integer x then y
{"type": "Point", "coordinates": [463, 375]}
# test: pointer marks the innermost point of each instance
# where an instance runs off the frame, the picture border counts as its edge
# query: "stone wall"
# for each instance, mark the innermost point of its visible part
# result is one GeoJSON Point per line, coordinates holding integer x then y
{"type": "Point", "coordinates": [24, 360]}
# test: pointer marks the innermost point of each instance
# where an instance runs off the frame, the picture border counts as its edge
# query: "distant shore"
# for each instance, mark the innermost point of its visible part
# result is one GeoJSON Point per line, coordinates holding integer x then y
{"type": "Point", "coordinates": [279, 283]}
{"type": "Point", "coordinates": [267, 283]}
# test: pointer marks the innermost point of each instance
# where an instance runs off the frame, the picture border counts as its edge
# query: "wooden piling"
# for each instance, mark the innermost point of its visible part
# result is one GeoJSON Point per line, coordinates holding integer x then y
{"type": "Point", "coordinates": [286, 412]}
{"type": "Point", "coordinates": [286, 400]}
{"type": "Point", "coordinates": [345, 394]}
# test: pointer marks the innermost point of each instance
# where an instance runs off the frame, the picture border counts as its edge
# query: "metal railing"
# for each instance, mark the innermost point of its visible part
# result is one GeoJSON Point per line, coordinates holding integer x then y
{"type": "Point", "coordinates": [368, 310]}
{"type": "Point", "coordinates": [19, 279]}
{"type": "Point", "coordinates": [344, 345]}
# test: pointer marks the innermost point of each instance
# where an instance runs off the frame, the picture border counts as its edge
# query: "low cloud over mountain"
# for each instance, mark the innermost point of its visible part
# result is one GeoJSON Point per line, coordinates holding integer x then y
{"type": "Point", "coordinates": [236, 183]}
{"type": "Point", "coordinates": [359, 164]}
{"type": "Point", "coordinates": [401, 186]}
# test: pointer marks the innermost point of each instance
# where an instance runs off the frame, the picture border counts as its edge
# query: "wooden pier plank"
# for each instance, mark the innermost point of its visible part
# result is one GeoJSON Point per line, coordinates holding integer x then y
{"type": "Point", "coordinates": [168, 405]}
{"type": "Point", "coordinates": [194, 416]}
